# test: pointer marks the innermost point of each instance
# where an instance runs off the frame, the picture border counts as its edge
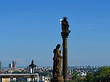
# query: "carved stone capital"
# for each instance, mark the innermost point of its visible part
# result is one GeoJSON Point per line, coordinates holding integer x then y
{"type": "Point", "coordinates": [65, 34]}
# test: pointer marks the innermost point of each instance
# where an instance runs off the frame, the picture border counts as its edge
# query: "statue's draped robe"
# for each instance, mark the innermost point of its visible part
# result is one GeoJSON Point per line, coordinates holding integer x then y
{"type": "Point", "coordinates": [57, 63]}
{"type": "Point", "coordinates": [65, 26]}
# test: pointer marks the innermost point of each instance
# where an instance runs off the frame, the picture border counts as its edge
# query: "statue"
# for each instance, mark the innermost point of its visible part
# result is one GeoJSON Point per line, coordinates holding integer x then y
{"type": "Point", "coordinates": [65, 25]}
{"type": "Point", "coordinates": [65, 28]}
{"type": "Point", "coordinates": [57, 62]}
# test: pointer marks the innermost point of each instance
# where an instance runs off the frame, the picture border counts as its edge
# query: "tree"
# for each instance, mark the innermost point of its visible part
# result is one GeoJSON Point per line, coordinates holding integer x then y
{"type": "Point", "coordinates": [90, 77]}
{"type": "Point", "coordinates": [80, 80]}
{"type": "Point", "coordinates": [74, 75]}
{"type": "Point", "coordinates": [103, 75]}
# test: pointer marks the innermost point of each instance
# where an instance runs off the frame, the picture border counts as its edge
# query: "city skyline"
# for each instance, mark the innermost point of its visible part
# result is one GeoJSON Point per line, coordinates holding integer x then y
{"type": "Point", "coordinates": [31, 30]}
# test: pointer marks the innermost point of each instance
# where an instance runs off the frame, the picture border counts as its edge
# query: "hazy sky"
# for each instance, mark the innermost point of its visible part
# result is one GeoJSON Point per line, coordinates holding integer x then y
{"type": "Point", "coordinates": [30, 29]}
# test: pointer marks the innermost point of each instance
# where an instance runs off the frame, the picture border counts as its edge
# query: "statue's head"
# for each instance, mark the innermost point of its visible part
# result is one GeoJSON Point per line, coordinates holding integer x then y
{"type": "Point", "coordinates": [58, 46]}
{"type": "Point", "coordinates": [65, 18]}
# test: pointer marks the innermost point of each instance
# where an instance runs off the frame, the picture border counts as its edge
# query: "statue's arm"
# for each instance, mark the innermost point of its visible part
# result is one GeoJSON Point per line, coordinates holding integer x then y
{"type": "Point", "coordinates": [59, 55]}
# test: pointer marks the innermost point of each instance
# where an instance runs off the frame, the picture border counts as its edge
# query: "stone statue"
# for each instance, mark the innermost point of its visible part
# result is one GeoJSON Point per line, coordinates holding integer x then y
{"type": "Point", "coordinates": [65, 25]}
{"type": "Point", "coordinates": [57, 61]}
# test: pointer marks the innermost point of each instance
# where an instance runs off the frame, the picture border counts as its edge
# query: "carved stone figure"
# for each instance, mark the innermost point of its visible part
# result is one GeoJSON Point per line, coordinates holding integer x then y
{"type": "Point", "coordinates": [65, 24]}
{"type": "Point", "coordinates": [57, 61]}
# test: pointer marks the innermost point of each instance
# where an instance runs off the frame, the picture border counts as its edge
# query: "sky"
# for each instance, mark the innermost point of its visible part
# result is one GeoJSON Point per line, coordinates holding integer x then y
{"type": "Point", "coordinates": [31, 29]}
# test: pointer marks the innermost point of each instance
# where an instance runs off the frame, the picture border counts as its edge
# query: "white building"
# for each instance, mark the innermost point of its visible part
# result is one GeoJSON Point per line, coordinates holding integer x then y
{"type": "Point", "coordinates": [82, 74]}
{"type": "Point", "coordinates": [44, 79]}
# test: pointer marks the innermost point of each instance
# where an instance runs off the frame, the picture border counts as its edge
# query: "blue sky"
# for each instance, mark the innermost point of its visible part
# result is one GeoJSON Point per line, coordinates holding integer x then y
{"type": "Point", "coordinates": [30, 29]}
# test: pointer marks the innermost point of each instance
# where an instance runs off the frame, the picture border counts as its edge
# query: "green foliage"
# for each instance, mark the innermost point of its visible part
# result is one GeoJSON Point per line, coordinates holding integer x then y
{"type": "Point", "coordinates": [16, 72]}
{"type": "Point", "coordinates": [22, 72]}
{"type": "Point", "coordinates": [51, 75]}
{"type": "Point", "coordinates": [80, 80]}
{"type": "Point", "coordinates": [74, 75]}
{"type": "Point", "coordinates": [44, 73]}
{"type": "Point", "coordinates": [70, 81]}
{"type": "Point", "coordinates": [103, 74]}
{"type": "Point", "coordinates": [90, 77]}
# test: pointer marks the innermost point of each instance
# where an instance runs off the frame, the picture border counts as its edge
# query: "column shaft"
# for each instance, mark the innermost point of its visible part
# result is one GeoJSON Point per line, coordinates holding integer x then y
{"type": "Point", "coordinates": [65, 60]}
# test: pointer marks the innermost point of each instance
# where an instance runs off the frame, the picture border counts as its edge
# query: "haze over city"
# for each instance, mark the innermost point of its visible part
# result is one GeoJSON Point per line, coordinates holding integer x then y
{"type": "Point", "coordinates": [31, 30]}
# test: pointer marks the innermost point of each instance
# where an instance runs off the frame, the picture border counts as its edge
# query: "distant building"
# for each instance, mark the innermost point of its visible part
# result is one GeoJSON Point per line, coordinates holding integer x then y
{"type": "Point", "coordinates": [0, 65]}
{"type": "Point", "coordinates": [14, 64]}
{"type": "Point", "coordinates": [19, 77]}
{"type": "Point", "coordinates": [44, 79]}
{"type": "Point", "coordinates": [82, 74]}
{"type": "Point", "coordinates": [4, 79]}
{"type": "Point", "coordinates": [10, 65]}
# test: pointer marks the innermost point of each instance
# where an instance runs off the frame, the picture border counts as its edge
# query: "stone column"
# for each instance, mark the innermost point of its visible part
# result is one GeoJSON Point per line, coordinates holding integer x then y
{"type": "Point", "coordinates": [65, 33]}
{"type": "Point", "coordinates": [65, 60]}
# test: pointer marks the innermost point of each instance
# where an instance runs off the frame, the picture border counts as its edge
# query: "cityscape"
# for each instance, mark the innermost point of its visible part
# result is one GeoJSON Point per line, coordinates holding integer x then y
{"type": "Point", "coordinates": [45, 73]}
{"type": "Point", "coordinates": [54, 41]}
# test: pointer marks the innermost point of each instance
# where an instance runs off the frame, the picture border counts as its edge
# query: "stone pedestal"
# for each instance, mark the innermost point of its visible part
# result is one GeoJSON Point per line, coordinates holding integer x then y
{"type": "Point", "coordinates": [57, 79]}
